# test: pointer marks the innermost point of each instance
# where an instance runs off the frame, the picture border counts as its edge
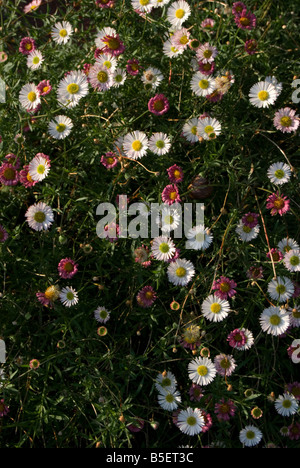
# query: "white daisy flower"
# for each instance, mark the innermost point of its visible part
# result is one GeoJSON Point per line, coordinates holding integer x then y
{"type": "Point", "coordinates": [246, 233]}
{"type": "Point", "coordinates": [263, 94]}
{"type": "Point", "coordinates": [169, 219]}
{"type": "Point", "coordinates": [208, 128]}
{"type": "Point", "coordinates": [286, 405]}
{"type": "Point", "coordinates": [199, 238]}
{"type": "Point", "coordinates": [190, 421]}
{"type": "Point", "coordinates": [61, 32]}
{"type": "Point", "coordinates": [202, 371]}
{"type": "Point", "coordinates": [279, 173]}
{"type": "Point", "coordinates": [291, 260]}
{"type": "Point", "coordinates": [135, 144]}
{"type": "Point", "coordinates": [107, 61]}
{"type": "Point", "coordinates": [101, 33]}
{"type": "Point", "coordinates": [250, 436]}
{"type": "Point", "coordinates": [170, 50]}
{"type": "Point", "coordinates": [215, 309]}
{"type": "Point", "coordinates": [287, 244]}
{"type": "Point", "coordinates": [39, 168]}
{"type": "Point", "coordinates": [180, 39]}
{"type": "Point", "coordinates": [249, 340]}
{"type": "Point", "coordinates": [273, 80]}
{"type": "Point", "coordinates": [180, 272]}
{"type": "Point", "coordinates": [163, 248]}
{"type": "Point", "coordinates": [39, 216]}
{"type": "Point", "coordinates": [159, 143]}
{"type": "Point", "coordinates": [145, 6]}
{"type": "Point", "coordinates": [202, 85]}
{"type": "Point", "coordinates": [152, 77]}
{"type": "Point", "coordinates": [60, 127]}
{"type": "Point", "coordinates": [294, 316]}
{"type": "Point", "coordinates": [101, 314]}
{"type": "Point", "coordinates": [72, 88]}
{"type": "Point", "coordinates": [169, 399]}
{"type": "Point", "coordinates": [178, 13]}
{"type": "Point", "coordinates": [165, 381]}
{"type": "Point", "coordinates": [281, 289]}
{"type": "Point", "coordinates": [68, 296]}
{"type": "Point", "coordinates": [29, 96]}
{"type": "Point", "coordinates": [100, 77]}
{"type": "Point", "coordinates": [189, 130]}
{"type": "Point", "coordinates": [119, 77]}
{"type": "Point", "coordinates": [35, 60]}
{"type": "Point", "coordinates": [274, 321]}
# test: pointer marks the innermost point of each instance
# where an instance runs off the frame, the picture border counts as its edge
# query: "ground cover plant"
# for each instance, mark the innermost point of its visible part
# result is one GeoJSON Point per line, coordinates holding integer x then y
{"type": "Point", "coordinates": [116, 341]}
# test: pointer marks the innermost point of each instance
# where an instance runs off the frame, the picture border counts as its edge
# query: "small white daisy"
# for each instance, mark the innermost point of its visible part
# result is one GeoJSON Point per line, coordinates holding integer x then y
{"type": "Point", "coordinates": [29, 96]}
{"type": "Point", "coordinates": [215, 309]}
{"type": "Point", "coordinates": [39, 216]}
{"type": "Point", "coordinates": [286, 405]}
{"type": "Point", "coordinates": [274, 320]}
{"type": "Point", "coordinates": [169, 218]}
{"type": "Point", "coordinates": [169, 399]}
{"type": "Point", "coordinates": [199, 238]}
{"type": "Point", "coordinates": [35, 60]}
{"type": "Point", "coordinates": [39, 168]}
{"type": "Point", "coordinates": [250, 436]}
{"type": "Point", "coordinates": [291, 260]}
{"type": "Point", "coordinates": [119, 77]}
{"type": "Point", "coordinates": [246, 233]}
{"type": "Point", "coordinates": [61, 32]}
{"type": "Point", "coordinates": [159, 143]}
{"type": "Point", "coordinates": [190, 421]}
{"type": "Point", "coordinates": [180, 272]}
{"type": "Point", "coordinates": [72, 88]}
{"type": "Point", "coordinates": [165, 381]}
{"type": "Point", "coordinates": [202, 85]}
{"type": "Point", "coordinates": [68, 296]}
{"type": "Point", "coordinates": [107, 61]}
{"type": "Point", "coordinates": [263, 94]}
{"type": "Point", "coordinates": [152, 77]}
{"type": "Point", "coordinates": [163, 248]}
{"type": "Point", "coordinates": [101, 314]}
{"type": "Point", "coordinates": [287, 244]}
{"type": "Point", "coordinates": [170, 50]}
{"type": "Point", "coordinates": [180, 39]}
{"type": "Point", "coordinates": [189, 130]}
{"type": "Point", "coordinates": [279, 173]}
{"type": "Point", "coordinates": [60, 127]}
{"type": "Point", "coordinates": [281, 289]}
{"type": "Point", "coordinates": [202, 371]}
{"type": "Point", "coordinates": [135, 144]}
{"type": "Point", "coordinates": [178, 13]}
{"type": "Point", "coordinates": [100, 77]}
{"type": "Point", "coordinates": [208, 128]}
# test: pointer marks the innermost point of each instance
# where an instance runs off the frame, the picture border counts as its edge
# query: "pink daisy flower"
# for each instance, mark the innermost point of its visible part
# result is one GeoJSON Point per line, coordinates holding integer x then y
{"type": "Point", "coordinates": [238, 7]}
{"type": "Point", "coordinates": [255, 272]}
{"type": "Point", "coordinates": [27, 45]}
{"type": "Point", "coordinates": [275, 254]}
{"type": "Point", "coordinates": [195, 392]}
{"type": "Point", "coordinates": [170, 194]}
{"type": "Point", "coordinates": [175, 174]}
{"type": "Point", "coordinates": [251, 46]}
{"type": "Point", "coordinates": [206, 53]}
{"type": "Point", "coordinates": [245, 20]}
{"type": "Point", "coordinates": [278, 204]}
{"type": "Point", "coordinates": [133, 67]}
{"type": "Point", "coordinates": [225, 364]}
{"type": "Point", "coordinates": [207, 421]}
{"type": "Point", "coordinates": [207, 24]}
{"type": "Point", "coordinates": [159, 104]}
{"type": "Point", "coordinates": [105, 3]}
{"type": "Point", "coordinates": [44, 87]}
{"type": "Point", "coordinates": [180, 39]}
{"type": "Point", "coordinates": [225, 410]}
{"type": "Point", "coordinates": [3, 234]}
{"type": "Point", "coordinates": [286, 120]}
{"type": "Point", "coordinates": [34, 364]}
{"type": "Point", "coordinates": [250, 219]}
{"type": "Point", "coordinates": [294, 389]}
{"type": "Point", "coordinates": [109, 160]}
{"type": "Point", "coordinates": [294, 431]}
{"type": "Point", "coordinates": [224, 287]}
{"type": "Point", "coordinates": [146, 296]}
{"type": "Point", "coordinates": [9, 174]}
{"type": "Point", "coordinates": [237, 338]}
{"type": "Point", "coordinates": [137, 426]}
{"type": "Point", "coordinates": [32, 6]}
{"type": "Point", "coordinates": [86, 68]}
{"type": "Point", "coordinates": [113, 45]}
{"type": "Point", "coordinates": [25, 178]}
{"type": "Point", "coordinates": [4, 410]}
{"type": "Point", "coordinates": [13, 159]}
{"type": "Point", "coordinates": [67, 268]}
{"type": "Point", "coordinates": [207, 68]}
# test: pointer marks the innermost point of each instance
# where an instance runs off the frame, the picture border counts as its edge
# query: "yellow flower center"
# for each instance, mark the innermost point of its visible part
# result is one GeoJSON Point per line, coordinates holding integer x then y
{"type": "Point", "coordinates": [9, 174]}
{"type": "Point", "coordinates": [45, 89]}
{"type": "Point", "coordinates": [179, 13]}
{"type": "Point", "coordinates": [263, 95]}
{"type": "Point", "coordinates": [180, 272]}
{"type": "Point", "coordinates": [183, 40]}
{"type": "Point", "coordinates": [208, 129]}
{"type": "Point", "coordinates": [31, 96]}
{"type": "Point", "coordinates": [191, 421]}
{"type": "Point", "coordinates": [294, 260]}
{"type": "Point", "coordinates": [168, 219]}
{"type": "Point", "coordinates": [173, 195]}
{"type": "Point", "coordinates": [137, 145]}
{"type": "Point", "coordinates": [170, 398]}
{"type": "Point", "coordinates": [275, 319]}
{"type": "Point", "coordinates": [40, 169]}
{"type": "Point", "coordinates": [63, 33]}
{"type": "Point", "coordinates": [286, 403]}
{"type": "Point", "coordinates": [194, 130]}
{"type": "Point", "coordinates": [68, 267]}
{"type": "Point", "coordinates": [102, 76]}
{"type": "Point", "coordinates": [144, 2]}
{"type": "Point", "coordinates": [244, 21]}
{"type": "Point", "coordinates": [107, 64]}
{"type": "Point", "coordinates": [164, 247]}
{"type": "Point", "coordinates": [279, 174]}
{"type": "Point", "coordinates": [113, 43]}
{"type": "Point", "coordinates": [203, 84]}
{"type": "Point", "coordinates": [60, 128]}
{"type": "Point", "coordinates": [35, 60]}
{"type": "Point", "coordinates": [202, 370]}
{"type": "Point", "coordinates": [177, 174]}
{"type": "Point", "coordinates": [28, 46]}
{"type": "Point", "coordinates": [286, 121]}
{"type": "Point", "coordinates": [215, 308]}
{"type": "Point", "coordinates": [279, 203]}
{"type": "Point", "coordinates": [250, 435]}
{"type": "Point", "coordinates": [52, 293]}
{"type": "Point", "coordinates": [39, 217]}
{"type": "Point", "coordinates": [73, 88]}
{"type": "Point", "coordinates": [158, 105]}
{"type": "Point", "coordinates": [207, 53]}
{"type": "Point", "coordinates": [225, 287]}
